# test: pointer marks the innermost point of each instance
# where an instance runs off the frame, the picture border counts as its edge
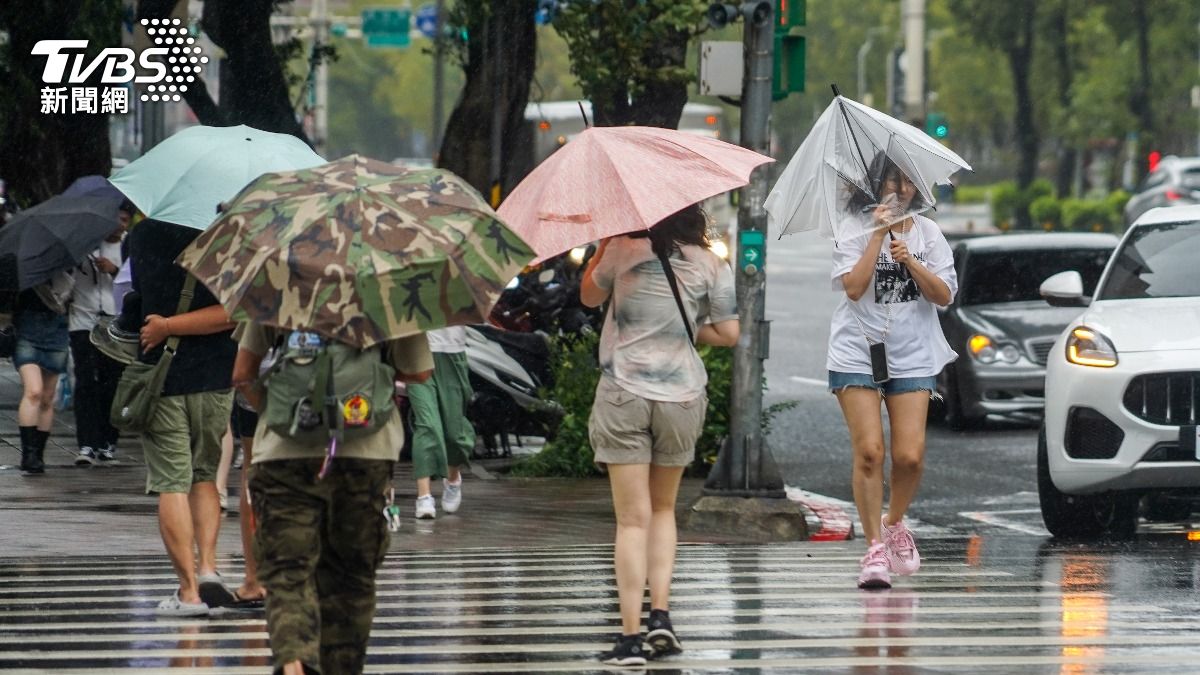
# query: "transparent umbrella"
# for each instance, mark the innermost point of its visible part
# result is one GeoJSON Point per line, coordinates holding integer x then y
{"type": "Point", "coordinates": [835, 182]}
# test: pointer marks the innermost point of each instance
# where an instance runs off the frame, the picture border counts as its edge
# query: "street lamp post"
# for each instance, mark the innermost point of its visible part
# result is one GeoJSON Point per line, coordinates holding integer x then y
{"type": "Point", "coordinates": [862, 62]}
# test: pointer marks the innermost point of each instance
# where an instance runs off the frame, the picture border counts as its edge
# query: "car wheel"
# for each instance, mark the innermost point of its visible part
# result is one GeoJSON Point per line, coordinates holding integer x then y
{"type": "Point", "coordinates": [955, 418]}
{"type": "Point", "coordinates": [1160, 509]}
{"type": "Point", "coordinates": [1106, 515]}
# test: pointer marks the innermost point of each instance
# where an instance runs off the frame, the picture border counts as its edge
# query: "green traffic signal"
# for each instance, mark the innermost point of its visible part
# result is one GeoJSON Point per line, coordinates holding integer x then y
{"type": "Point", "coordinates": [936, 125]}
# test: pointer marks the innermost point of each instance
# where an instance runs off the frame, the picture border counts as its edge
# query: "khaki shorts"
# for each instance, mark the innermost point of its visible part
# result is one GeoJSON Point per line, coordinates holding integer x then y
{"type": "Point", "coordinates": [183, 442]}
{"type": "Point", "coordinates": [628, 429]}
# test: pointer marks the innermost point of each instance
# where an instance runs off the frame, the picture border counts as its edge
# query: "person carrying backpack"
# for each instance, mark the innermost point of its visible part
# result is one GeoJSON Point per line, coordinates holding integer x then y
{"type": "Point", "coordinates": [327, 438]}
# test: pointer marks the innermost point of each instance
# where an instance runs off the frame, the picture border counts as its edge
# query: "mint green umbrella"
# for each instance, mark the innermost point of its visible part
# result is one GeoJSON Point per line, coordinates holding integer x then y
{"type": "Point", "coordinates": [184, 178]}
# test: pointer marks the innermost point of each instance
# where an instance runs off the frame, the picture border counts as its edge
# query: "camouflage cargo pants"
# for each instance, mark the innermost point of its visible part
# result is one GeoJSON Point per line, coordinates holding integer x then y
{"type": "Point", "coordinates": [319, 544]}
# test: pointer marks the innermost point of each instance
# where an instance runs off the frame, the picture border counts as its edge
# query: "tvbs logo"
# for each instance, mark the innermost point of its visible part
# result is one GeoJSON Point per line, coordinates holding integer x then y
{"type": "Point", "coordinates": [167, 68]}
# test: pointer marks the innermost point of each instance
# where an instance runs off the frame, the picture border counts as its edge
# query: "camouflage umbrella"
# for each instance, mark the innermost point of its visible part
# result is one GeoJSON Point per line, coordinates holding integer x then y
{"type": "Point", "coordinates": [359, 250]}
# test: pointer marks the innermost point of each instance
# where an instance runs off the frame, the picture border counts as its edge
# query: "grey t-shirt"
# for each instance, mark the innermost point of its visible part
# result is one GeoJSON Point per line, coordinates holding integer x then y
{"type": "Point", "coordinates": [644, 346]}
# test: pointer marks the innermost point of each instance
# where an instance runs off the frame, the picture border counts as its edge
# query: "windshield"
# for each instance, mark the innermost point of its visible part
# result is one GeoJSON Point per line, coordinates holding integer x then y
{"type": "Point", "coordinates": [1014, 276]}
{"type": "Point", "coordinates": [1156, 261]}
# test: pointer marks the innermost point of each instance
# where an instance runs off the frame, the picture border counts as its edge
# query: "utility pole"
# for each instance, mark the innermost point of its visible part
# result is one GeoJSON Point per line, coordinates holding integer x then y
{"type": "Point", "coordinates": [745, 467]}
{"type": "Point", "coordinates": [914, 61]}
{"type": "Point", "coordinates": [320, 22]}
{"type": "Point", "coordinates": [492, 49]}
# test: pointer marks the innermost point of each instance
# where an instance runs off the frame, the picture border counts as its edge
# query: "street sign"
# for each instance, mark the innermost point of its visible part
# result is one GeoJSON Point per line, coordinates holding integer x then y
{"type": "Point", "coordinates": [387, 26]}
{"type": "Point", "coordinates": [427, 20]}
{"type": "Point", "coordinates": [751, 245]}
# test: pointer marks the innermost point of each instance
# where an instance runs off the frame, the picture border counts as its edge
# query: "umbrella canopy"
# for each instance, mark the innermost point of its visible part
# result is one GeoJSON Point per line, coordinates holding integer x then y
{"type": "Point", "coordinates": [184, 178]}
{"type": "Point", "coordinates": [615, 180]}
{"type": "Point", "coordinates": [359, 250]}
{"type": "Point", "coordinates": [833, 182]}
{"type": "Point", "coordinates": [93, 186]}
{"type": "Point", "coordinates": [53, 236]}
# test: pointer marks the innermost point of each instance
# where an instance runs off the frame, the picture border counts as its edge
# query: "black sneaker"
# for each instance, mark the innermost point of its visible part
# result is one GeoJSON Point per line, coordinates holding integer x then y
{"type": "Point", "coordinates": [661, 635]}
{"type": "Point", "coordinates": [107, 454]}
{"type": "Point", "coordinates": [629, 651]}
{"type": "Point", "coordinates": [86, 457]}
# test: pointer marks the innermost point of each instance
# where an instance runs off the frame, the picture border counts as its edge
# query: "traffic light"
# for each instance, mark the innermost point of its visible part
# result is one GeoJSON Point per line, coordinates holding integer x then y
{"type": "Point", "coordinates": [789, 56]}
{"type": "Point", "coordinates": [789, 14]}
{"type": "Point", "coordinates": [936, 125]}
{"type": "Point", "coordinates": [1152, 160]}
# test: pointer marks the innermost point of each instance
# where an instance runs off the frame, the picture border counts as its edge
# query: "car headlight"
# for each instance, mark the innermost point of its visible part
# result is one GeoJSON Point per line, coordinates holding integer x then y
{"type": "Point", "coordinates": [982, 348]}
{"type": "Point", "coordinates": [1010, 353]}
{"type": "Point", "coordinates": [577, 254]}
{"type": "Point", "coordinates": [1087, 347]}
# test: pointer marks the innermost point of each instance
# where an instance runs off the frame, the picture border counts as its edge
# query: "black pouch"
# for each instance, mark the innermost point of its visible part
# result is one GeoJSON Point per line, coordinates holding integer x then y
{"type": "Point", "coordinates": [879, 367]}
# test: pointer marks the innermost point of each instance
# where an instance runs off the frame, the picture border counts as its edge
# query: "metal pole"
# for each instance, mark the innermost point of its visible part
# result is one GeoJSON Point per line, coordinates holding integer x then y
{"type": "Point", "coordinates": [493, 52]}
{"type": "Point", "coordinates": [320, 24]}
{"type": "Point", "coordinates": [439, 79]}
{"type": "Point", "coordinates": [914, 57]}
{"type": "Point", "coordinates": [744, 466]}
{"type": "Point", "coordinates": [862, 62]}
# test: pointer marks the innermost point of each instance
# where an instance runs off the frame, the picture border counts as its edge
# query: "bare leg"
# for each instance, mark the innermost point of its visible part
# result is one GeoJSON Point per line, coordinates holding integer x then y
{"type": "Point", "coordinates": [664, 488]}
{"type": "Point", "coordinates": [225, 463]}
{"type": "Point", "coordinates": [860, 407]}
{"type": "Point", "coordinates": [206, 522]}
{"type": "Point", "coordinates": [46, 404]}
{"type": "Point", "coordinates": [453, 474]}
{"type": "Point", "coordinates": [631, 502]}
{"type": "Point", "coordinates": [175, 526]}
{"type": "Point", "coordinates": [423, 486]}
{"type": "Point", "coordinates": [251, 587]}
{"type": "Point", "coordinates": [906, 415]}
{"type": "Point", "coordinates": [29, 410]}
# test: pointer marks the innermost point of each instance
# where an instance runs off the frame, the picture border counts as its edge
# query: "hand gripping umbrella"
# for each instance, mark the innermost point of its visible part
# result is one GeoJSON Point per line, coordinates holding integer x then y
{"type": "Point", "coordinates": [834, 182]}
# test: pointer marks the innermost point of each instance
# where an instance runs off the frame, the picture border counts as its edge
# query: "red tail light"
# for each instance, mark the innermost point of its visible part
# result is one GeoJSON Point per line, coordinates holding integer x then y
{"type": "Point", "coordinates": [1172, 195]}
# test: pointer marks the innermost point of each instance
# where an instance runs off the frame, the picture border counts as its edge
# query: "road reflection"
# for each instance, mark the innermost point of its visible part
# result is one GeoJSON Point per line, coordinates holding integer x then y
{"type": "Point", "coordinates": [886, 614]}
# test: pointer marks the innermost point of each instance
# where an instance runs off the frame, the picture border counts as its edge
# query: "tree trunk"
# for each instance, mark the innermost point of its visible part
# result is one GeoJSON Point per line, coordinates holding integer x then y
{"type": "Point", "coordinates": [467, 145]}
{"type": "Point", "coordinates": [254, 87]}
{"type": "Point", "coordinates": [42, 153]}
{"type": "Point", "coordinates": [1020, 58]}
{"type": "Point", "coordinates": [1139, 96]}
{"type": "Point", "coordinates": [1060, 25]}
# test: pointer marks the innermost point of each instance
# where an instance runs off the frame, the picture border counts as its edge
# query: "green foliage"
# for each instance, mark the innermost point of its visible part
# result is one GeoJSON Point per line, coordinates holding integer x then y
{"type": "Point", "coordinates": [576, 373]}
{"type": "Point", "coordinates": [1007, 200]}
{"type": "Point", "coordinates": [1046, 212]}
{"type": "Point", "coordinates": [615, 45]}
{"type": "Point", "coordinates": [972, 194]}
{"type": "Point", "coordinates": [1115, 202]}
{"type": "Point", "coordinates": [1087, 215]}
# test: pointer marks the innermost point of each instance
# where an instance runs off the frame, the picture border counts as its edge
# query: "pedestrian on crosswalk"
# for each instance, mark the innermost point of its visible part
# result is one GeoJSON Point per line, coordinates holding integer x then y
{"type": "Point", "coordinates": [443, 437]}
{"type": "Point", "coordinates": [321, 533]}
{"type": "Point", "coordinates": [886, 344]}
{"type": "Point", "coordinates": [40, 358]}
{"type": "Point", "coordinates": [666, 291]}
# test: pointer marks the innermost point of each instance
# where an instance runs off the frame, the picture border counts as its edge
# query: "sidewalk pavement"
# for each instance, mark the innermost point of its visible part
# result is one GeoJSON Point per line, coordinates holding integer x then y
{"type": "Point", "coordinates": [104, 509]}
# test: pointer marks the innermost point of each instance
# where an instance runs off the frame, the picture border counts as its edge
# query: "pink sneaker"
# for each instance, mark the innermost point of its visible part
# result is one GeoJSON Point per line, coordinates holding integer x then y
{"type": "Point", "coordinates": [874, 574]}
{"type": "Point", "coordinates": [903, 558]}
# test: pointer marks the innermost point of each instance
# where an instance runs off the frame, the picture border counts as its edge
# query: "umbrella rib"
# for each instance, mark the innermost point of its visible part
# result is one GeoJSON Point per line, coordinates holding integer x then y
{"type": "Point", "coordinates": [866, 169]}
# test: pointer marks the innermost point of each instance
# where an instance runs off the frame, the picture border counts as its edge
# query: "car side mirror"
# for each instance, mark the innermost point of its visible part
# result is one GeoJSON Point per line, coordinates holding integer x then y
{"type": "Point", "coordinates": [1064, 289]}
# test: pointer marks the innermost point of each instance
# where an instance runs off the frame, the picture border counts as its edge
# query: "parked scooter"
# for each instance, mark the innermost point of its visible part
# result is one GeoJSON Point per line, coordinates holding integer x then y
{"type": "Point", "coordinates": [509, 362]}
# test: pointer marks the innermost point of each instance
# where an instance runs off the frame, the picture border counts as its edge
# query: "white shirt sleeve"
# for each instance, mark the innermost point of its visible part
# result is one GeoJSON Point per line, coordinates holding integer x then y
{"type": "Point", "coordinates": [846, 255]}
{"type": "Point", "coordinates": [939, 259]}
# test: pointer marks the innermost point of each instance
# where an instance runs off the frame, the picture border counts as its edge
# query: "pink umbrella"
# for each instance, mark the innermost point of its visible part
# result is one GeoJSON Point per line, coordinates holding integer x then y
{"type": "Point", "coordinates": [614, 180]}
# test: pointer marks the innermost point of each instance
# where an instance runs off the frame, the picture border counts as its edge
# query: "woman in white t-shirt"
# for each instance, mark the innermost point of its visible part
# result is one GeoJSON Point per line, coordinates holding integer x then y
{"type": "Point", "coordinates": [886, 343]}
{"type": "Point", "coordinates": [650, 403]}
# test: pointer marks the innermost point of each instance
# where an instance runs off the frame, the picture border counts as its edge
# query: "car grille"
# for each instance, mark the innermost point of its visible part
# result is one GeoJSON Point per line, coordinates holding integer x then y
{"type": "Point", "coordinates": [1039, 350]}
{"type": "Point", "coordinates": [1165, 398]}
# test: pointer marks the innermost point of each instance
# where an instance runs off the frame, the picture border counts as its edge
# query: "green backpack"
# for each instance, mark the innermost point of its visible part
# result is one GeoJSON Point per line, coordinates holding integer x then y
{"type": "Point", "coordinates": [320, 389]}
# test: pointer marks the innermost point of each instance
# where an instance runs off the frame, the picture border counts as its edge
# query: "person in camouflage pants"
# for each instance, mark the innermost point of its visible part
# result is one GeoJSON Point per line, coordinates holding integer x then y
{"type": "Point", "coordinates": [320, 541]}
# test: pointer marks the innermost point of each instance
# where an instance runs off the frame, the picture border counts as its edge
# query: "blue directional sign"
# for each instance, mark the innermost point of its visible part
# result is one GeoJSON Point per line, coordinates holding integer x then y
{"type": "Point", "coordinates": [426, 19]}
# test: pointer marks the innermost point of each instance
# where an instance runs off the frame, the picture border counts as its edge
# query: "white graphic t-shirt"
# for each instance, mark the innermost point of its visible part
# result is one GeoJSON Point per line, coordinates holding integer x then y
{"type": "Point", "coordinates": [916, 346]}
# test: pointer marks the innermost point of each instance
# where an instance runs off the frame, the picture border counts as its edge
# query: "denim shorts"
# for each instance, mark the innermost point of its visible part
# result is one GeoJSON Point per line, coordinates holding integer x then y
{"type": "Point", "coordinates": [896, 385]}
{"type": "Point", "coordinates": [53, 360]}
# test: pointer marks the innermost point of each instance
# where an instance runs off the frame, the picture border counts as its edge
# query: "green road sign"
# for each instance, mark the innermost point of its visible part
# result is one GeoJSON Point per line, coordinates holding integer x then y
{"type": "Point", "coordinates": [751, 243]}
{"type": "Point", "coordinates": [387, 26]}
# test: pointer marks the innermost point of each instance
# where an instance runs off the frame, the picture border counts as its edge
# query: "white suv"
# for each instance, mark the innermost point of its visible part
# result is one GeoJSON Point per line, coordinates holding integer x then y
{"type": "Point", "coordinates": [1123, 385]}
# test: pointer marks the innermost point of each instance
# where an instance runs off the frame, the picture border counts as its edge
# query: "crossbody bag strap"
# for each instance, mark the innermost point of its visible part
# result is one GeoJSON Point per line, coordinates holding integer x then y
{"type": "Point", "coordinates": [185, 305]}
{"type": "Point", "coordinates": [674, 284]}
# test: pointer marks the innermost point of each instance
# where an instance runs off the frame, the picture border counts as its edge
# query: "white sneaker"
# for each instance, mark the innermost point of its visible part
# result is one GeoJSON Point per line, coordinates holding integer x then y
{"type": "Point", "coordinates": [426, 508]}
{"type": "Point", "coordinates": [451, 495]}
{"type": "Point", "coordinates": [86, 457]}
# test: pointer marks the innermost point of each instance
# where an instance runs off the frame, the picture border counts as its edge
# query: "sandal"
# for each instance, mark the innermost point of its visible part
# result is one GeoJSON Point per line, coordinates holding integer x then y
{"type": "Point", "coordinates": [247, 603]}
{"type": "Point", "coordinates": [173, 606]}
{"type": "Point", "coordinates": [214, 592]}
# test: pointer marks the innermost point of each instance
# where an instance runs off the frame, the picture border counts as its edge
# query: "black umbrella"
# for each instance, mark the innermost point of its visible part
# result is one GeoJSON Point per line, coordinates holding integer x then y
{"type": "Point", "coordinates": [52, 236]}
